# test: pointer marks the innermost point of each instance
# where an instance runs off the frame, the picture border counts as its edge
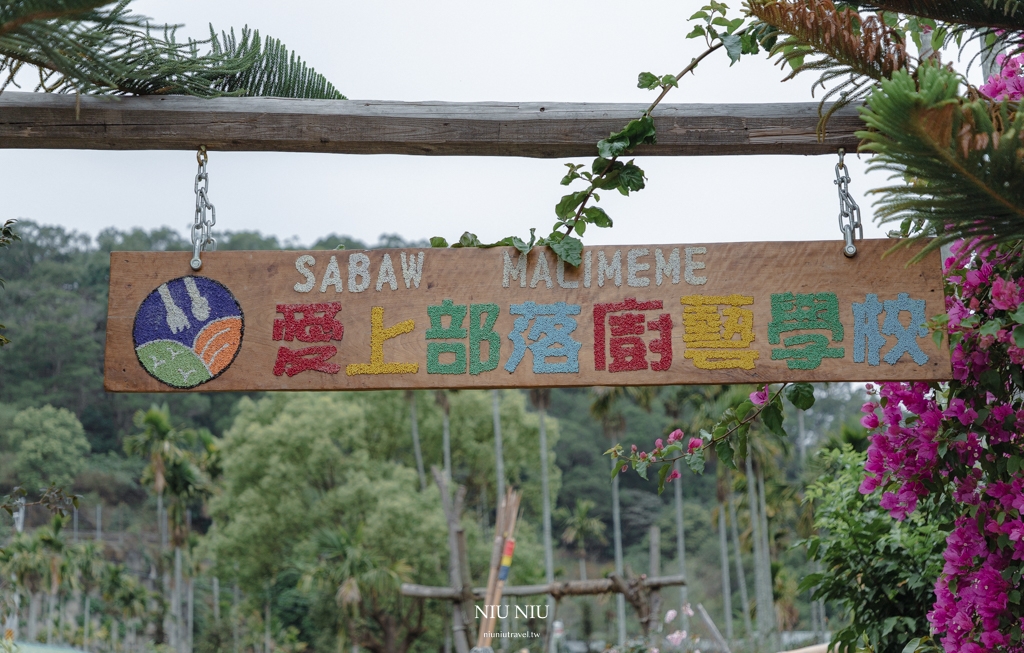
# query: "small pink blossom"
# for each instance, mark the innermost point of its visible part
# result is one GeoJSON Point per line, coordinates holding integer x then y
{"type": "Point", "coordinates": [676, 638]}
{"type": "Point", "coordinates": [675, 436]}
{"type": "Point", "coordinates": [674, 474]}
{"type": "Point", "coordinates": [759, 397]}
{"type": "Point", "coordinates": [670, 615]}
{"type": "Point", "coordinates": [695, 443]}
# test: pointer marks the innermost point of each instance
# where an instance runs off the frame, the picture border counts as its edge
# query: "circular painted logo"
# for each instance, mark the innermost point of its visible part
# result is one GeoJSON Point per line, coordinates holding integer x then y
{"type": "Point", "coordinates": [188, 331]}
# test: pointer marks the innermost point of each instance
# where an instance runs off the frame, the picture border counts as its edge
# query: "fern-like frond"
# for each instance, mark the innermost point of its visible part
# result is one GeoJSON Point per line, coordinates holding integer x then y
{"type": "Point", "coordinates": [961, 160]}
{"type": "Point", "coordinates": [272, 69]}
{"type": "Point", "coordinates": [97, 47]}
{"type": "Point", "coordinates": [992, 14]}
{"type": "Point", "coordinates": [839, 43]}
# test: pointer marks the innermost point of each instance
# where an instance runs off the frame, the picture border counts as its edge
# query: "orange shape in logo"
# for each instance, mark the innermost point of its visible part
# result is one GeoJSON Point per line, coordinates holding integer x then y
{"type": "Point", "coordinates": [218, 342]}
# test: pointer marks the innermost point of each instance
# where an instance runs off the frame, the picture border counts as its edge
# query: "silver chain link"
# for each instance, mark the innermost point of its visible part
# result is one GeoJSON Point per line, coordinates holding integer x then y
{"type": "Point", "coordinates": [201, 236]}
{"type": "Point", "coordinates": [849, 212]}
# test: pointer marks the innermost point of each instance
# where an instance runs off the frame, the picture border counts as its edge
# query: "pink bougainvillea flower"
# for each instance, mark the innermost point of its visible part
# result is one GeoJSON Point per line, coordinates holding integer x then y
{"type": "Point", "coordinates": [676, 638]}
{"type": "Point", "coordinates": [670, 616]}
{"type": "Point", "coordinates": [759, 397]}
{"type": "Point", "coordinates": [675, 436]}
{"type": "Point", "coordinates": [695, 443]}
{"type": "Point", "coordinates": [674, 474]}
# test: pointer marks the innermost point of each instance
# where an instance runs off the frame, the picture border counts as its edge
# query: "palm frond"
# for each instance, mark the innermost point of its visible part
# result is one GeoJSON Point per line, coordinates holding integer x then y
{"type": "Point", "coordinates": [960, 159]}
{"type": "Point", "coordinates": [839, 43]}
{"type": "Point", "coordinates": [272, 69]}
{"type": "Point", "coordinates": [992, 14]}
{"type": "Point", "coordinates": [89, 46]}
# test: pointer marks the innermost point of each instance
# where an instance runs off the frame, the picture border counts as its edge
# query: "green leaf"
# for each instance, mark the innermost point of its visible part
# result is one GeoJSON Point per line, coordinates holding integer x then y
{"type": "Point", "coordinates": [597, 215]}
{"type": "Point", "coordinates": [569, 249]}
{"type": "Point", "coordinates": [641, 468]}
{"type": "Point", "coordinates": [566, 207]}
{"type": "Point", "coordinates": [468, 239]}
{"type": "Point", "coordinates": [801, 395]}
{"type": "Point", "coordinates": [438, 241]}
{"type": "Point", "coordinates": [696, 32]}
{"type": "Point", "coordinates": [636, 132]}
{"type": "Point", "coordinates": [937, 336]}
{"type": "Point", "coordinates": [771, 416]}
{"type": "Point", "coordinates": [695, 461]}
{"type": "Point", "coordinates": [631, 178]}
{"type": "Point", "coordinates": [744, 409]}
{"type": "Point", "coordinates": [733, 47]}
{"type": "Point", "coordinates": [1018, 335]}
{"type": "Point", "coordinates": [724, 451]}
{"type": "Point", "coordinates": [580, 227]}
{"type": "Point", "coordinates": [669, 80]}
{"type": "Point", "coordinates": [573, 173]}
{"type": "Point", "coordinates": [1018, 315]}
{"type": "Point", "coordinates": [648, 81]}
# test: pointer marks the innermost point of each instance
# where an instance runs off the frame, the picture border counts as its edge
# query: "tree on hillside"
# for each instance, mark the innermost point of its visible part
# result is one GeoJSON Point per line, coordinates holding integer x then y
{"type": "Point", "coordinates": [49, 445]}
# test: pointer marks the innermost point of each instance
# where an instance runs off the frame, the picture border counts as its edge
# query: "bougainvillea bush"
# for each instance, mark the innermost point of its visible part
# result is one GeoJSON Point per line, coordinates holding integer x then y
{"type": "Point", "coordinates": [960, 445]}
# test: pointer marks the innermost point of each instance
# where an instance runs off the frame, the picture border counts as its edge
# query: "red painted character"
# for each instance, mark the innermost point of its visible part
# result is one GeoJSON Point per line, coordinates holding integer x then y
{"type": "Point", "coordinates": [628, 350]}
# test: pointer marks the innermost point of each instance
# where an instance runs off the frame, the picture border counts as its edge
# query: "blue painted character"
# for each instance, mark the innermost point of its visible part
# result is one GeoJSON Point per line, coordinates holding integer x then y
{"type": "Point", "coordinates": [550, 336]}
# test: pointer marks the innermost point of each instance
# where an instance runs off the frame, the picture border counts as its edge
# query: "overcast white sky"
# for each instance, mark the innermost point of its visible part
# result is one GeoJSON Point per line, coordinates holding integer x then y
{"type": "Point", "coordinates": [527, 50]}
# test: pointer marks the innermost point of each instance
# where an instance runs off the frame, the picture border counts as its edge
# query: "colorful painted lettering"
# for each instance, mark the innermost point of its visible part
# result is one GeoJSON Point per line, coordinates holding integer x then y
{"type": "Point", "coordinates": [805, 312]}
{"type": "Point", "coordinates": [628, 350]}
{"type": "Point", "coordinates": [550, 336]}
{"type": "Point", "coordinates": [715, 328]}
{"type": "Point", "coordinates": [378, 336]}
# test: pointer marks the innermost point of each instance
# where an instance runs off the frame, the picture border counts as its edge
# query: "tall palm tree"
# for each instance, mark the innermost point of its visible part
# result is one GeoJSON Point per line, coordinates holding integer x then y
{"type": "Point", "coordinates": [540, 398]}
{"type": "Point", "coordinates": [613, 424]}
{"type": "Point", "coordinates": [23, 558]}
{"type": "Point", "coordinates": [417, 451]}
{"type": "Point", "coordinates": [170, 462]}
{"type": "Point", "coordinates": [581, 528]}
{"type": "Point", "coordinates": [441, 397]}
{"type": "Point", "coordinates": [159, 442]}
{"type": "Point", "coordinates": [89, 567]}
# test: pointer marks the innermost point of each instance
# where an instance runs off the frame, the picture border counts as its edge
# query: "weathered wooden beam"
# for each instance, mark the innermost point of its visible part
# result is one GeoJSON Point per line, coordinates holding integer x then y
{"type": "Point", "coordinates": [529, 129]}
{"type": "Point", "coordinates": [567, 588]}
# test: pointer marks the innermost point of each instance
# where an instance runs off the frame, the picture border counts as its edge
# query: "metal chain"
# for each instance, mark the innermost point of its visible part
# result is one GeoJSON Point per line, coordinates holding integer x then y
{"type": "Point", "coordinates": [201, 237]}
{"type": "Point", "coordinates": [849, 213]}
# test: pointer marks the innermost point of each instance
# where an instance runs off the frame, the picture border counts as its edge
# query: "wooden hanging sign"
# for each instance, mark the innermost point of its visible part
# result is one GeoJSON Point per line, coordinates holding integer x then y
{"type": "Point", "coordinates": [493, 318]}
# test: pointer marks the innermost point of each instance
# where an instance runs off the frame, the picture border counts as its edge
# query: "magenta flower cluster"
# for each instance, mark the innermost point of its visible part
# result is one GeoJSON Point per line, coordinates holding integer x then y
{"type": "Point", "coordinates": [965, 441]}
{"type": "Point", "coordinates": [1008, 83]}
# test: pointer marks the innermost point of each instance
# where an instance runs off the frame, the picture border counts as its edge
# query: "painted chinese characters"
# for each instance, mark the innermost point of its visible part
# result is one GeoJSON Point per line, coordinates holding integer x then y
{"type": "Point", "coordinates": [187, 331]}
{"type": "Point", "coordinates": [551, 337]}
{"type": "Point", "coordinates": [805, 312]}
{"type": "Point", "coordinates": [481, 329]}
{"type": "Point", "coordinates": [317, 323]}
{"type": "Point", "coordinates": [628, 350]}
{"type": "Point", "coordinates": [868, 341]}
{"type": "Point", "coordinates": [717, 332]}
{"type": "Point", "coordinates": [378, 336]}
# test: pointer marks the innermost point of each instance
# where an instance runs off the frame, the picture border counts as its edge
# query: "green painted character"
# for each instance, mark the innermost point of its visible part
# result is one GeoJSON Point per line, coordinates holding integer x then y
{"type": "Point", "coordinates": [805, 312]}
{"type": "Point", "coordinates": [454, 331]}
{"type": "Point", "coordinates": [481, 329]}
